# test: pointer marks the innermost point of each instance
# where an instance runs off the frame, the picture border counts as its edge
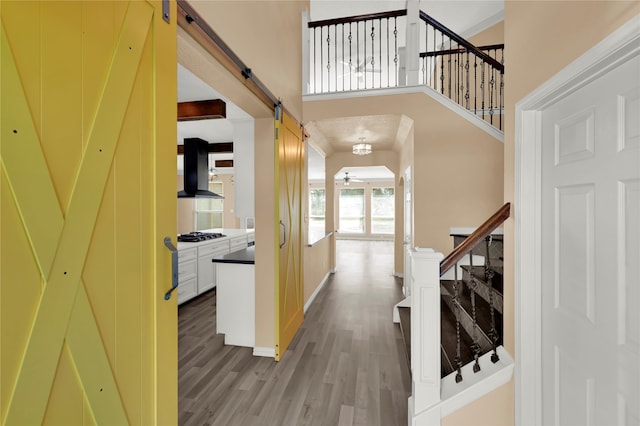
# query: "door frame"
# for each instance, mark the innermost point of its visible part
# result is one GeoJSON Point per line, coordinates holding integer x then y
{"type": "Point", "coordinates": [621, 45]}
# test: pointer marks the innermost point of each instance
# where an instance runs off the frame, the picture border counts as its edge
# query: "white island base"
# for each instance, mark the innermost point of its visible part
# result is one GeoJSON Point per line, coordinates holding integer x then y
{"type": "Point", "coordinates": [235, 301]}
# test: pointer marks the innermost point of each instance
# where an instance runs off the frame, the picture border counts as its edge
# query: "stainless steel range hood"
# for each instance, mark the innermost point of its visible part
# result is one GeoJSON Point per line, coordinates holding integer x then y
{"type": "Point", "coordinates": [196, 170]}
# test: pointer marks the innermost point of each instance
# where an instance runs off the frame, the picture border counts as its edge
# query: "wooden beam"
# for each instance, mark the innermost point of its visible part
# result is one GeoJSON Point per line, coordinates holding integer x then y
{"type": "Point", "coordinates": [202, 110]}
{"type": "Point", "coordinates": [214, 148]}
{"type": "Point", "coordinates": [224, 163]}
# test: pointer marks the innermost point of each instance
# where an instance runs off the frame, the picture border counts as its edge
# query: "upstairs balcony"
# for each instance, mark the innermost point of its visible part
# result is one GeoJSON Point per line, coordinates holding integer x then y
{"type": "Point", "coordinates": [403, 48]}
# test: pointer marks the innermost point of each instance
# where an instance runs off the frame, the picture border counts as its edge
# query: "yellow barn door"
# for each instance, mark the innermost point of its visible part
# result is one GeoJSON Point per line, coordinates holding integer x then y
{"type": "Point", "coordinates": [87, 194]}
{"type": "Point", "coordinates": [289, 288]}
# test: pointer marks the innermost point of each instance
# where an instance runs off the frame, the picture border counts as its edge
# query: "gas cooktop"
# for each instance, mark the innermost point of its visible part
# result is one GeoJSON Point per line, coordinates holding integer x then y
{"type": "Point", "coordinates": [194, 237]}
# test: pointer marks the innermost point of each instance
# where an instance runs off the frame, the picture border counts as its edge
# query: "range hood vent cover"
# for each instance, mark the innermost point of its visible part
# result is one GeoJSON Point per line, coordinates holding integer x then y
{"type": "Point", "coordinates": [196, 170]}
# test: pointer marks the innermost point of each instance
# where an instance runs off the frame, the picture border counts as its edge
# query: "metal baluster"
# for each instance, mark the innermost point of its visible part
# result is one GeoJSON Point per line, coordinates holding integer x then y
{"type": "Point", "coordinates": [335, 54]}
{"type": "Point", "coordinates": [475, 84]}
{"type": "Point", "coordinates": [501, 89]}
{"type": "Point", "coordinates": [357, 53]}
{"type": "Point", "coordinates": [373, 66]}
{"type": "Point", "coordinates": [449, 55]}
{"type": "Point", "coordinates": [466, 69]}
{"type": "Point", "coordinates": [321, 60]}
{"type": "Point", "coordinates": [315, 72]}
{"type": "Point", "coordinates": [475, 347]}
{"type": "Point", "coordinates": [456, 67]}
{"type": "Point", "coordinates": [489, 273]}
{"type": "Point", "coordinates": [380, 51]}
{"type": "Point", "coordinates": [482, 87]}
{"type": "Point", "coordinates": [434, 74]}
{"type": "Point", "coordinates": [442, 68]}
{"type": "Point", "coordinates": [456, 303]}
{"type": "Point", "coordinates": [343, 74]}
{"type": "Point", "coordinates": [395, 36]}
{"type": "Point", "coordinates": [387, 55]}
{"type": "Point", "coordinates": [491, 94]}
{"type": "Point", "coordinates": [328, 58]}
{"type": "Point", "coordinates": [350, 58]}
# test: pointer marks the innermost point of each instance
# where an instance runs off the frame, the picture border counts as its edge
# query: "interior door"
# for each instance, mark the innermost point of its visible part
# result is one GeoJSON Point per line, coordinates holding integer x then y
{"type": "Point", "coordinates": [590, 251]}
{"type": "Point", "coordinates": [87, 194]}
{"type": "Point", "coordinates": [289, 166]}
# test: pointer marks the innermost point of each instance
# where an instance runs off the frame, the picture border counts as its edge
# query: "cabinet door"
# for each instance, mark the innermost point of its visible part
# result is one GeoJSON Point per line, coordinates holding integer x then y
{"type": "Point", "coordinates": [206, 274]}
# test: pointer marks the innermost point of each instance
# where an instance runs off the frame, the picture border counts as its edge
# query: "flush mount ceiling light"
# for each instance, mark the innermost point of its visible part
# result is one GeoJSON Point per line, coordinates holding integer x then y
{"type": "Point", "coordinates": [362, 148]}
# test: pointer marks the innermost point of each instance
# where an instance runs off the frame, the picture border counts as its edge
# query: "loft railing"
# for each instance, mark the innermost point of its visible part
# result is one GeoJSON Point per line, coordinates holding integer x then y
{"type": "Point", "coordinates": [471, 76]}
{"type": "Point", "coordinates": [478, 282]}
{"type": "Point", "coordinates": [355, 53]}
{"type": "Point", "coordinates": [370, 52]}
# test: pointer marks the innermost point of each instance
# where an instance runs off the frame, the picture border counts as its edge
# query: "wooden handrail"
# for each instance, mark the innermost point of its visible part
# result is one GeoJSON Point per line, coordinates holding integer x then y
{"type": "Point", "coordinates": [462, 42]}
{"type": "Point", "coordinates": [460, 50]}
{"type": "Point", "coordinates": [478, 235]}
{"type": "Point", "coordinates": [358, 18]}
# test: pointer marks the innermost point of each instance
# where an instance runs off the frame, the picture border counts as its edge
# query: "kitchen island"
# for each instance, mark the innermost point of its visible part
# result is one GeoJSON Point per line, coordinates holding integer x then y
{"type": "Point", "coordinates": [196, 272]}
{"type": "Point", "coordinates": [235, 296]}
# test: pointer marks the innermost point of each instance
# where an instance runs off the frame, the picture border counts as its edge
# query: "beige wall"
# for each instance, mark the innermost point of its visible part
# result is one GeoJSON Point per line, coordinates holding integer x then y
{"type": "Point", "coordinates": [570, 29]}
{"type": "Point", "coordinates": [316, 266]}
{"type": "Point", "coordinates": [186, 206]}
{"type": "Point", "coordinates": [457, 173]}
{"type": "Point", "coordinates": [267, 36]}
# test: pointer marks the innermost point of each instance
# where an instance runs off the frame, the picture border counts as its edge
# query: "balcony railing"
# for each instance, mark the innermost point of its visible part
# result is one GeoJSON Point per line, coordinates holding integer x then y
{"type": "Point", "coordinates": [371, 52]}
{"type": "Point", "coordinates": [356, 52]}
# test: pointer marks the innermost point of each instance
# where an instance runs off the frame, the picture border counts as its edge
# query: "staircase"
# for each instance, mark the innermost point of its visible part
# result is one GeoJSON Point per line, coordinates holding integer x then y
{"type": "Point", "coordinates": [484, 294]}
{"type": "Point", "coordinates": [452, 323]}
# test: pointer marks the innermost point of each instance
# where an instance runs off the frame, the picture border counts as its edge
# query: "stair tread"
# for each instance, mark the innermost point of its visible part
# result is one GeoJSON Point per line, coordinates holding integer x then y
{"type": "Point", "coordinates": [405, 329]}
{"type": "Point", "coordinates": [483, 314]}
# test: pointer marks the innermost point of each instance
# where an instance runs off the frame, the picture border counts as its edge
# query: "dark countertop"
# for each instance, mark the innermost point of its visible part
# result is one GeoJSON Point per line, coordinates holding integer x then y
{"type": "Point", "coordinates": [245, 256]}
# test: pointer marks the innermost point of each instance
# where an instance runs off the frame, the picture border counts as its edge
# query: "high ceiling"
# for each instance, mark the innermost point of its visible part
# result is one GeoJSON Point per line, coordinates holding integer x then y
{"type": "Point", "coordinates": [466, 17]}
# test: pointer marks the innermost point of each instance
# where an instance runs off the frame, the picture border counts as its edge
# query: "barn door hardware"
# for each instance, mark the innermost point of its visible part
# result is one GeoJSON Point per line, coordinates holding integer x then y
{"type": "Point", "coordinates": [174, 267]}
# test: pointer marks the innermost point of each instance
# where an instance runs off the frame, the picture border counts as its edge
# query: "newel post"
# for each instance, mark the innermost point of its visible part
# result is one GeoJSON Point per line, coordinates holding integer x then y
{"type": "Point", "coordinates": [412, 52]}
{"type": "Point", "coordinates": [425, 333]}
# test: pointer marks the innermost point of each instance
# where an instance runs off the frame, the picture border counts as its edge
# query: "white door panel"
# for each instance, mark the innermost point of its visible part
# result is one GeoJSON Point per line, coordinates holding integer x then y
{"type": "Point", "coordinates": [591, 253]}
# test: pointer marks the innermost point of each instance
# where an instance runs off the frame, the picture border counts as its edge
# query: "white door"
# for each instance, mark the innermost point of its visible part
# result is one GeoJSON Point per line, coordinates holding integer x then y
{"type": "Point", "coordinates": [408, 231]}
{"type": "Point", "coordinates": [591, 253]}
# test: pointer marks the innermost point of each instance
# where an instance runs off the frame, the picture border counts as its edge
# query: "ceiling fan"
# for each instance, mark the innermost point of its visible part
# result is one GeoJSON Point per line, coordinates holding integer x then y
{"type": "Point", "coordinates": [347, 178]}
{"type": "Point", "coordinates": [361, 69]}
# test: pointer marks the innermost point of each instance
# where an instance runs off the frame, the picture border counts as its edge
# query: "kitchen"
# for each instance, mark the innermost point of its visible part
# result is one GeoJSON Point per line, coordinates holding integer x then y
{"type": "Point", "coordinates": [214, 228]}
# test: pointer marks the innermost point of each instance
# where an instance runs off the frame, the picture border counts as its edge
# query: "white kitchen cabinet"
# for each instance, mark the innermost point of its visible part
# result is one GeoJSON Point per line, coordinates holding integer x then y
{"type": "Point", "coordinates": [187, 274]}
{"type": "Point", "coordinates": [206, 268]}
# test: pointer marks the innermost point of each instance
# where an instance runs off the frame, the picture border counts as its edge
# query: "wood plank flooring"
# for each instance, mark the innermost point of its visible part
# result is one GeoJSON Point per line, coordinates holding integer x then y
{"type": "Point", "coordinates": [346, 365]}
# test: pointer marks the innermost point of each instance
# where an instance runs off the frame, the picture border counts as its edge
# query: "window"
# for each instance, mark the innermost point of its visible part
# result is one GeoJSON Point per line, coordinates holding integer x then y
{"type": "Point", "coordinates": [316, 210]}
{"type": "Point", "coordinates": [352, 210]}
{"type": "Point", "coordinates": [209, 211]}
{"type": "Point", "coordinates": [382, 211]}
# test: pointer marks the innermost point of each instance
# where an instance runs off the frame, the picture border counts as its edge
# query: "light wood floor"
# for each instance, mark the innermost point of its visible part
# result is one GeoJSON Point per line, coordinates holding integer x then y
{"type": "Point", "coordinates": [346, 365]}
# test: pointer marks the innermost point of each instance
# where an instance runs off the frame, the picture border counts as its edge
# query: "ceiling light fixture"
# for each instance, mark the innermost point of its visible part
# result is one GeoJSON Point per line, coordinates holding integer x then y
{"type": "Point", "coordinates": [362, 148]}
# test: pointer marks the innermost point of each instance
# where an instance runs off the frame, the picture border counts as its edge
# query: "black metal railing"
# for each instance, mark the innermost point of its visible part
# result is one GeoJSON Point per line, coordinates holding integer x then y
{"type": "Point", "coordinates": [369, 52]}
{"type": "Point", "coordinates": [471, 76]}
{"type": "Point", "coordinates": [356, 52]}
{"type": "Point", "coordinates": [472, 322]}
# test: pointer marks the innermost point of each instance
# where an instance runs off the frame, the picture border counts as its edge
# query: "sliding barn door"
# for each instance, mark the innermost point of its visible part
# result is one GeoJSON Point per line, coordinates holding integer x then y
{"type": "Point", "coordinates": [289, 166]}
{"type": "Point", "coordinates": [87, 194]}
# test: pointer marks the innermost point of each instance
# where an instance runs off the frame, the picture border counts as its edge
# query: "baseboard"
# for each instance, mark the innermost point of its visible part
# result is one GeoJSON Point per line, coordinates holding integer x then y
{"type": "Point", "coordinates": [265, 352]}
{"type": "Point", "coordinates": [398, 274]}
{"type": "Point", "coordinates": [317, 290]}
